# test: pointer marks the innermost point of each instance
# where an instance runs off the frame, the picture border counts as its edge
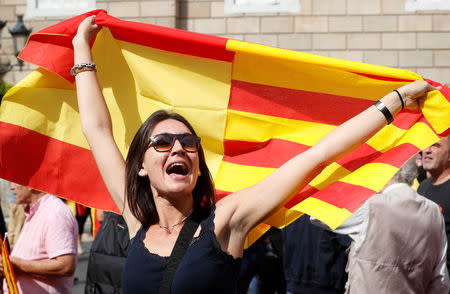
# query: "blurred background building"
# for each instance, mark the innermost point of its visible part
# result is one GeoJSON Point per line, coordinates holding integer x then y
{"type": "Point", "coordinates": [408, 34]}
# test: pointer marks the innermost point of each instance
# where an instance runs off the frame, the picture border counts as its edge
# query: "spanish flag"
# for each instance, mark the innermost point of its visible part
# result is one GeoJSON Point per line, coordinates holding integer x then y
{"type": "Point", "coordinates": [254, 106]}
{"type": "Point", "coordinates": [8, 272]}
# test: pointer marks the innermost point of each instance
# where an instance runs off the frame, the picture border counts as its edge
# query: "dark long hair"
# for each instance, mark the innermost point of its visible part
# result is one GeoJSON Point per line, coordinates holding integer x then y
{"type": "Point", "coordinates": [138, 192]}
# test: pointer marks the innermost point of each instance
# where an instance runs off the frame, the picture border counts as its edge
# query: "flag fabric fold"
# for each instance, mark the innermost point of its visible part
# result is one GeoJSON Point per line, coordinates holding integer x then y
{"type": "Point", "coordinates": [254, 106]}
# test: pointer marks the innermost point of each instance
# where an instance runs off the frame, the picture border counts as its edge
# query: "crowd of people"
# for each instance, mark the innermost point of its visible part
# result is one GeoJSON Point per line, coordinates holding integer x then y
{"type": "Point", "coordinates": [172, 237]}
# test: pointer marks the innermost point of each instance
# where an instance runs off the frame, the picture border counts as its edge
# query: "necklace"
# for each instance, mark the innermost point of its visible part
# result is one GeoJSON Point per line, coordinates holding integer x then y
{"type": "Point", "coordinates": [169, 229]}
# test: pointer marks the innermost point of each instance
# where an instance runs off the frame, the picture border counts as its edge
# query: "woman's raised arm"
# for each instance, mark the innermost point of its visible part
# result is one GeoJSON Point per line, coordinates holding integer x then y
{"type": "Point", "coordinates": [96, 122]}
{"type": "Point", "coordinates": [248, 207]}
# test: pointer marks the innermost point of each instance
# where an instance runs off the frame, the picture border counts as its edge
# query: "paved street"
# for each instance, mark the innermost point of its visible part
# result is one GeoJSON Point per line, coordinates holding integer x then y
{"type": "Point", "coordinates": [80, 274]}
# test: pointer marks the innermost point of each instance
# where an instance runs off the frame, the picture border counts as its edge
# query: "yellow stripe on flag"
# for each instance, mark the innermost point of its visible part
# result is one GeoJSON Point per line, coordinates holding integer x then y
{"type": "Point", "coordinates": [34, 114]}
{"type": "Point", "coordinates": [234, 177]}
{"type": "Point", "coordinates": [372, 175]}
{"type": "Point", "coordinates": [331, 215]}
{"type": "Point", "coordinates": [307, 72]}
{"type": "Point", "coordinates": [27, 105]}
{"type": "Point", "coordinates": [433, 107]}
{"type": "Point", "coordinates": [251, 127]}
{"type": "Point", "coordinates": [197, 88]}
{"type": "Point", "coordinates": [330, 174]}
{"type": "Point", "coordinates": [165, 85]}
{"type": "Point", "coordinates": [391, 136]}
{"type": "Point", "coordinates": [255, 233]}
{"type": "Point", "coordinates": [51, 81]}
{"type": "Point", "coordinates": [283, 217]}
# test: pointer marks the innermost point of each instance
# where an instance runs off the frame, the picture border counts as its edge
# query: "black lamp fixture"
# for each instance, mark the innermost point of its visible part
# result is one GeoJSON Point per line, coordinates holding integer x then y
{"type": "Point", "coordinates": [2, 24]}
{"type": "Point", "coordinates": [20, 35]}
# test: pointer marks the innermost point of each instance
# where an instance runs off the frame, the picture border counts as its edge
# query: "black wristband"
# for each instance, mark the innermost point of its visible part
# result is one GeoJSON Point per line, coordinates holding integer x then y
{"type": "Point", "coordinates": [401, 98]}
{"type": "Point", "coordinates": [385, 111]}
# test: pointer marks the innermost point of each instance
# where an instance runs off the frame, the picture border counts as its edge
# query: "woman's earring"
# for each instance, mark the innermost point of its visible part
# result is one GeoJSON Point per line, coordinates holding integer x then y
{"type": "Point", "coordinates": [142, 172]}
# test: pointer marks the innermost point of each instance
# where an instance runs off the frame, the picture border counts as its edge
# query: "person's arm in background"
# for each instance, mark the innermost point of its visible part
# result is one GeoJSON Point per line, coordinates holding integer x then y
{"type": "Point", "coordinates": [63, 265]}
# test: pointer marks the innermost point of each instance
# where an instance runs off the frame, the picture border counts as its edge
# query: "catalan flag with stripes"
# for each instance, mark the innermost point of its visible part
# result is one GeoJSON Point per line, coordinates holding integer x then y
{"type": "Point", "coordinates": [8, 272]}
{"type": "Point", "coordinates": [254, 106]}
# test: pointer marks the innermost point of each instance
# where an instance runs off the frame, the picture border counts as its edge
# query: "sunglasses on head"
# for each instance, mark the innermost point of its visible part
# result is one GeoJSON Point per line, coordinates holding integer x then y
{"type": "Point", "coordinates": [164, 142]}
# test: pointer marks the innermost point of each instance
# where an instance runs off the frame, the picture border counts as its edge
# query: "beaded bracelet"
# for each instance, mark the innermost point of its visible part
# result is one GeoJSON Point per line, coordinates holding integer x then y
{"type": "Point", "coordinates": [87, 66]}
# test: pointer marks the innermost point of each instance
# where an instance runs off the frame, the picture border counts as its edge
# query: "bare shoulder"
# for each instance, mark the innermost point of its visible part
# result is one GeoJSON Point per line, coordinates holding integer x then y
{"type": "Point", "coordinates": [225, 209]}
{"type": "Point", "coordinates": [230, 239]}
{"type": "Point", "coordinates": [227, 214]}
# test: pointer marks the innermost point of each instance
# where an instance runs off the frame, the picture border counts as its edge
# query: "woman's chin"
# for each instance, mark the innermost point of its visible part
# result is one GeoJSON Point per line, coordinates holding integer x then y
{"type": "Point", "coordinates": [180, 183]}
{"type": "Point", "coordinates": [179, 189]}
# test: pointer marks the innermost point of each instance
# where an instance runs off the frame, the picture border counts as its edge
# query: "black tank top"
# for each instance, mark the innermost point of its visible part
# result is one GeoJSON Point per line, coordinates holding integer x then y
{"type": "Point", "coordinates": [205, 267]}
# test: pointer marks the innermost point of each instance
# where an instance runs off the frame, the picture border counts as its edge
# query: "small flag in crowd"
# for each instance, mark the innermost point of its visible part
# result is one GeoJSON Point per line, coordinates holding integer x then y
{"type": "Point", "coordinates": [8, 272]}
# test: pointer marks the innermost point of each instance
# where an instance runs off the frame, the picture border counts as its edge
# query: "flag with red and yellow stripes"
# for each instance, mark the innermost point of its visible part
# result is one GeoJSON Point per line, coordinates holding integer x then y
{"type": "Point", "coordinates": [254, 106]}
{"type": "Point", "coordinates": [8, 272]}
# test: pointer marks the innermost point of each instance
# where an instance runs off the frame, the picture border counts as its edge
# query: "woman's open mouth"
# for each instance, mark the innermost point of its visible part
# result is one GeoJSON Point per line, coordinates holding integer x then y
{"type": "Point", "coordinates": [178, 168]}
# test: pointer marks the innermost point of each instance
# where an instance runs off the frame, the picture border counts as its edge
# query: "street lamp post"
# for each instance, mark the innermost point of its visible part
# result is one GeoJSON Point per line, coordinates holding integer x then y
{"type": "Point", "coordinates": [4, 67]}
{"type": "Point", "coordinates": [20, 35]}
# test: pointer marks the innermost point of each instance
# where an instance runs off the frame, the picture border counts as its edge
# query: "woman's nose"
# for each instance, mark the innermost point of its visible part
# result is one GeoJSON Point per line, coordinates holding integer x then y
{"type": "Point", "coordinates": [177, 147]}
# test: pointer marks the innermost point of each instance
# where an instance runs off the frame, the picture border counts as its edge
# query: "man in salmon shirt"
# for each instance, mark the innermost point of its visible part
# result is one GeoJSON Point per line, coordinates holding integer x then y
{"type": "Point", "coordinates": [45, 255]}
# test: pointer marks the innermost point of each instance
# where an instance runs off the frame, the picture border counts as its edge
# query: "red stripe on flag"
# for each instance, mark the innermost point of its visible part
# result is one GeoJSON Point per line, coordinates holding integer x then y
{"type": "Point", "coordinates": [221, 194]}
{"type": "Point", "coordinates": [396, 156]}
{"type": "Point", "coordinates": [423, 119]}
{"type": "Point", "coordinates": [271, 153]}
{"type": "Point", "coordinates": [294, 104]}
{"type": "Point", "coordinates": [51, 48]}
{"type": "Point", "coordinates": [406, 118]}
{"type": "Point", "coordinates": [305, 105]}
{"type": "Point", "coordinates": [339, 194]}
{"type": "Point", "coordinates": [344, 195]}
{"type": "Point", "coordinates": [168, 39]}
{"type": "Point", "coordinates": [306, 192]}
{"type": "Point", "coordinates": [52, 165]}
{"type": "Point", "coordinates": [275, 152]}
{"type": "Point", "coordinates": [359, 157]}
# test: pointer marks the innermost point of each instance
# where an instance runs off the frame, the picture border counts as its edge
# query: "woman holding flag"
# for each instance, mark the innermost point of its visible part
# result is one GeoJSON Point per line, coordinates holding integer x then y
{"type": "Point", "coordinates": [164, 186]}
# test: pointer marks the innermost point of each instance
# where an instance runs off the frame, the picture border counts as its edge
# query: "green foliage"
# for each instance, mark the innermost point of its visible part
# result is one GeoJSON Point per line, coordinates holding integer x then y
{"type": "Point", "coordinates": [4, 87]}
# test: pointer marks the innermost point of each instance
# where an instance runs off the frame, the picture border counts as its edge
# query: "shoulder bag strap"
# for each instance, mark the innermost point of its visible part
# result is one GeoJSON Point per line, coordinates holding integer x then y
{"type": "Point", "coordinates": [181, 245]}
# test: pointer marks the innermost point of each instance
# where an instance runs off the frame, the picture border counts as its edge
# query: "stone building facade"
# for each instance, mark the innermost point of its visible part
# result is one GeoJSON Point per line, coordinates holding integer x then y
{"type": "Point", "coordinates": [379, 32]}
